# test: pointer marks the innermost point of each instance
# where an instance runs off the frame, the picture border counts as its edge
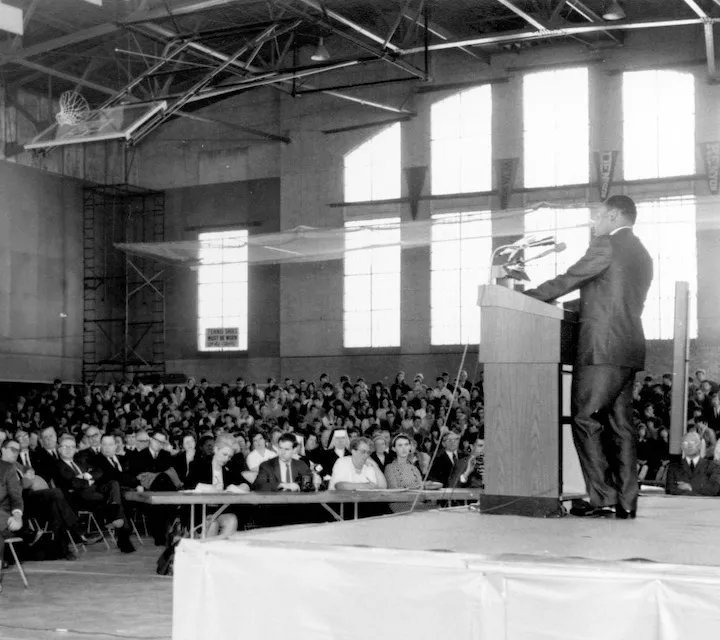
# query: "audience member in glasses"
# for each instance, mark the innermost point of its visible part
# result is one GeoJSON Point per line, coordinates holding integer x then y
{"type": "Point", "coordinates": [46, 505]}
{"type": "Point", "coordinates": [692, 475]}
{"type": "Point", "coordinates": [84, 494]}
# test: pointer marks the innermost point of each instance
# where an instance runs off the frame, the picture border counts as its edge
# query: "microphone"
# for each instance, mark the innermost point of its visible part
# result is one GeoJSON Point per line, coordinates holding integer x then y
{"type": "Point", "coordinates": [558, 248]}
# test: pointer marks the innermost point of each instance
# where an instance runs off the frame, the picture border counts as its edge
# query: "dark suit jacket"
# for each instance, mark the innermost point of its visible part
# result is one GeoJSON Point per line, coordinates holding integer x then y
{"type": "Point", "coordinates": [110, 473]}
{"type": "Point", "coordinates": [705, 480]}
{"type": "Point", "coordinates": [10, 492]}
{"type": "Point", "coordinates": [443, 470]}
{"type": "Point", "coordinates": [90, 460]}
{"type": "Point", "coordinates": [613, 276]}
{"type": "Point", "coordinates": [66, 479]}
{"type": "Point", "coordinates": [181, 466]}
{"type": "Point", "coordinates": [269, 476]}
{"type": "Point", "coordinates": [44, 464]}
{"type": "Point", "coordinates": [713, 420]}
{"type": "Point", "coordinates": [201, 472]}
{"type": "Point", "coordinates": [143, 461]}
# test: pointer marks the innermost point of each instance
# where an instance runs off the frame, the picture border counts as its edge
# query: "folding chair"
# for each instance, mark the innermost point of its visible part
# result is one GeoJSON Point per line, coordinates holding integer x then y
{"type": "Point", "coordinates": [11, 542]}
{"type": "Point", "coordinates": [92, 521]}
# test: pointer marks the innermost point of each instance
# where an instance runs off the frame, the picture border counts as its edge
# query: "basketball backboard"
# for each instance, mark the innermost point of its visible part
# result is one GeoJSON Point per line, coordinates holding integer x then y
{"type": "Point", "coordinates": [111, 123]}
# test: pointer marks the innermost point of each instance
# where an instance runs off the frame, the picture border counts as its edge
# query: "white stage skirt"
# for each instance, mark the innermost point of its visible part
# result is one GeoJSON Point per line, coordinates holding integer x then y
{"type": "Point", "coordinates": [250, 588]}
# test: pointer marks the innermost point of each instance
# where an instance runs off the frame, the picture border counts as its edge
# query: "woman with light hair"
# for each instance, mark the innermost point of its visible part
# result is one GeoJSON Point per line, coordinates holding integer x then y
{"type": "Point", "coordinates": [214, 476]}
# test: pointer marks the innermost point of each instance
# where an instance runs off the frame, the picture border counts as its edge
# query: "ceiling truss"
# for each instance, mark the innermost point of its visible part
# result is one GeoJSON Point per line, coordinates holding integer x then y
{"type": "Point", "coordinates": [189, 64]}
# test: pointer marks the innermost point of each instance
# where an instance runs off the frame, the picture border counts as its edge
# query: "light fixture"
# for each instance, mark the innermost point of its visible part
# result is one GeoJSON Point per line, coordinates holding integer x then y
{"type": "Point", "coordinates": [613, 11]}
{"type": "Point", "coordinates": [321, 53]}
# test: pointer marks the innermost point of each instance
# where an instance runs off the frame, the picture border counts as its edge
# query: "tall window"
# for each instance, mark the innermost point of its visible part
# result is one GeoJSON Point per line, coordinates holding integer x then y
{"type": "Point", "coordinates": [568, 226]}
{"type": "Point", "coordinates": [556, 127]}
{"type": "Point", "coordinates": [658, 124]}
{"type": "Point", "coordinates": [459, 263]}
{"type": "Point", "coordinates": [461, 148]}
{"type": "Point", "coordinates": [223, 291]}
{"type": "Point", "coordinates": [372, 170]}
{"type": "Point", "coordinates": [667, 229]}
{"type": "Point", "coordinates": [372, 283]}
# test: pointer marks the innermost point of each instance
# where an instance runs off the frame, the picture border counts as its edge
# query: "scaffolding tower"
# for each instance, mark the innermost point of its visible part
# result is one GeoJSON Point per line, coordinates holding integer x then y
{"type": "Point", "coordinates": [123, 295]}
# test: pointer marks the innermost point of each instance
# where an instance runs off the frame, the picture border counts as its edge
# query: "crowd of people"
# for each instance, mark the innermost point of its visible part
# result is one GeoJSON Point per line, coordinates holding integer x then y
{"type": "Point", "coordinates": [77, 449]}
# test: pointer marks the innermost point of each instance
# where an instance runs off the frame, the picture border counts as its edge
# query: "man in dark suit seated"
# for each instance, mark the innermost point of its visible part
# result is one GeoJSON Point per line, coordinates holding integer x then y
{"type": "Point", "coordinates": [83, 493]}
{"type": "Point", "coordinates": [153, 467]}
{"type": "Point", "coordinates": [284, 473]}
{"type": "Point", "coordinates": [90, 457]}
{"type": "Point", "coordinates": [693, 475]}
{"type": "Point", "coordinates": [11, 504]}
{"type": "Point", "coordinates": [47, 505]}
{"type": "Point", "coordinates": [447, 459]}
{"type": "Point", "coordinates": [713, 413]}
{"type": "Point", "coordinates": [45, 456]}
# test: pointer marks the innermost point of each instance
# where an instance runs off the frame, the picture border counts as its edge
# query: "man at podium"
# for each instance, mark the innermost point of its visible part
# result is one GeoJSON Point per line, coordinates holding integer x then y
{"type": "Point", "coordinates": [613, 277]}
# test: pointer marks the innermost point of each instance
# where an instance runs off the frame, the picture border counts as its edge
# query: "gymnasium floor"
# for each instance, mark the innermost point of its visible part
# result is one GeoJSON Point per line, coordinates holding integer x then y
{"type": "Point", "coordinates": [104, 594]}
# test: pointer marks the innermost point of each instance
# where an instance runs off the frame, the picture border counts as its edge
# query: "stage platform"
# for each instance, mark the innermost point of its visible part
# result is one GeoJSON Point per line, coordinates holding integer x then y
{"type": "Point", "coordinates": [458, 574]}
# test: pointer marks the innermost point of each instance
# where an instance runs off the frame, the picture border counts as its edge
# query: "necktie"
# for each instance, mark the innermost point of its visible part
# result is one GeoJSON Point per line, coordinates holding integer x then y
{"type": "Point", "coordinates": [117, 463]}
{"type": "Point", "coordinates": [54, 454]}
{"type": "Point", "coordinates": [26, 459]}
{"type": "Point", "coordinates": [692, 466]}
{"type": "Point", "coordinates": [286, 472]}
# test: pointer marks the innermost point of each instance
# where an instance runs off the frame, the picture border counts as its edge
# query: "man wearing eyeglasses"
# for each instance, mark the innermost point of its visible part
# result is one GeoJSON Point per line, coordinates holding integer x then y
{"type": "Point", "coordinates": [154, 470]}
{"type": "Point", "coordinates": [90, 457]}
{"type": "Point", "coordinates": [11, 503]}
{"type": "Point", "coordinates": [84, 494]}
{"type": "Point", "coordinates": [47, 505]}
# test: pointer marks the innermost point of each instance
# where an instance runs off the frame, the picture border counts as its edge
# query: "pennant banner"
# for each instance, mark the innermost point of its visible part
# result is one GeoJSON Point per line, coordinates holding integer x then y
{"type": "Point", "coordinates": [415, 180]}
{"type": "Point", "coordinates": [506, 171]}
{"type": "Point", "coordinates": [605, 161]}
{"type": "Point", "coordinates": [711, 155]}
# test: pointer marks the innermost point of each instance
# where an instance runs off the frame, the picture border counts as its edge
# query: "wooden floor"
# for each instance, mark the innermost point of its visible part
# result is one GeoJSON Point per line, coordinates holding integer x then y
{"type": "Point", "coordinates": [104, 594]}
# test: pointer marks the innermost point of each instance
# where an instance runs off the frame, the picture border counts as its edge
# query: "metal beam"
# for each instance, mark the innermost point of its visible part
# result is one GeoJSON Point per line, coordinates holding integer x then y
{"type": "Point", "coordinates": [525, 16]}
{"type": "Point", "coordinates": [350, 24]}
{"type": "Point", "coordinates": [699, 11]}
{"type": "Point", "coordinates": [232, 125]}
{"type": "Point", "coordinates": [199, 86]}
{"type": "Point", "coordinates": [589, 15]}
{"type": "Point", "coordinates": [444, 34]}
{"type": "Point", "coordinates": [379, 52]}
{"type": "Point", "coordinates": [108, 28]}
{"type": "Point", "coordinates": [526, 35]}
{"type": "Point", "coordinates": [66, 76]}
{"type": "Point", "coordinates": [396, 23]}
{"type": "Point", "coordinates": [710, 51]}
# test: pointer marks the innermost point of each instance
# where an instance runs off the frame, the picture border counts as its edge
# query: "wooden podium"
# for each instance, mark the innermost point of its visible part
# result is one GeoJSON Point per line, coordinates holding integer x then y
{"type": "Point", "coordinates": [524, 344]}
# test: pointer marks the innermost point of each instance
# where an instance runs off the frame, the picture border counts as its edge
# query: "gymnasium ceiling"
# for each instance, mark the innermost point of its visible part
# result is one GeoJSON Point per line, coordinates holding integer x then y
{"type": "Point", "coordinates": [198, 51]}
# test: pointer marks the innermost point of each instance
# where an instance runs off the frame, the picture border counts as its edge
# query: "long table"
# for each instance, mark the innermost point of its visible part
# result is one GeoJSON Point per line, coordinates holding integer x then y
{"type": "Point", "coordinates": [324, 498]}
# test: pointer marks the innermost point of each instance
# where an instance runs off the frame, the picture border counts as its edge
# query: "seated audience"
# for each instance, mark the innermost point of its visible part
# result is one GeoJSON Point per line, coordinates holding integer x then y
{"type": "Point", "coordinates": [260, 451]}
{"type": "Point", "coordinates": [401, 473]}
{"type": "Point", "coordinates": [84, 494]}
{"type": "Point", "coordinates": [381, 456]}
{"type": "Point", "coordinates": [283, 472]}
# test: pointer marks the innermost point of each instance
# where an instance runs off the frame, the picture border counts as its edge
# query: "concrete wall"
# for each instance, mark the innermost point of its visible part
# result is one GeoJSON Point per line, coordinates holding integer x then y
{"type": "Point", "coordinates": [40, 275]}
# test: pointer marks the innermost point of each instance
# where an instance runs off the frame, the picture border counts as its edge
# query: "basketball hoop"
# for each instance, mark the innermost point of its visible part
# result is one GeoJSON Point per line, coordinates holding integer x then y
{"type": "Point", "coordinates": [74, 109]}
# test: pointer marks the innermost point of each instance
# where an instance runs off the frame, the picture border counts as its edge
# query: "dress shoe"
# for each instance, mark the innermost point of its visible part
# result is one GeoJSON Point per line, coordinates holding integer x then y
{"type": "Point", "coordinates": [125, 545]}
{"type": "Point", "coordinates": [580, 508]}
{"type": "Point", "coordinates": [94, 539]}
{"type": "Point", "coordinates": [601, 512]}
{"type": "Point", "coordinates": [622, 514]}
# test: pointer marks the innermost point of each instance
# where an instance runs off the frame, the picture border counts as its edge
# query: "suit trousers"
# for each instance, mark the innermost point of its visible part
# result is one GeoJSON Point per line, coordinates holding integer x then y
{"type": "Point", "coordinates": [605, 440]}
{"type": "Point", "coordinates": [4, 533]}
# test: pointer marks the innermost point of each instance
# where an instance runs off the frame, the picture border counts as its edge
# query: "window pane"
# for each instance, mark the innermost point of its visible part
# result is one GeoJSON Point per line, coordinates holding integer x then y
{"type": "Point", "coordinates": [667, 228]}
{"type": "Point", "coordinates": [461, 142]}
{"type": "Point", "coordinates": [372, 283]}
{"type": "Point", "coordinates": [658, 124]}
{"type": "Point", "coordinates": [223, 290]}
{"type": "Point", "coordinates": [556, 127]}
{"type": "Point", "coordinates": [372, 170]}
{"type": "Point", "coordinates": [459, 262]}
